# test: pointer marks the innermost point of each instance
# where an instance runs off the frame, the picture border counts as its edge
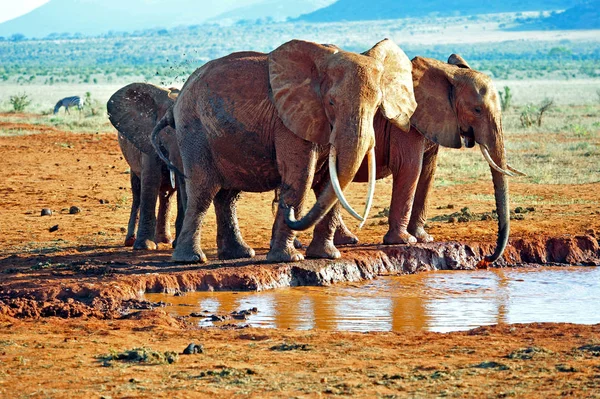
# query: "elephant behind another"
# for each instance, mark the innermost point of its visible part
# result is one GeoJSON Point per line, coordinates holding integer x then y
{"type": "Point", "coordinates": [134, 110]}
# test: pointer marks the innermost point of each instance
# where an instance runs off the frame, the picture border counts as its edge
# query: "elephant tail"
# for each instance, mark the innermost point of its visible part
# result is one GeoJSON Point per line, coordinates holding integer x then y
{"type": "Point", "coordinates": [166, 120]}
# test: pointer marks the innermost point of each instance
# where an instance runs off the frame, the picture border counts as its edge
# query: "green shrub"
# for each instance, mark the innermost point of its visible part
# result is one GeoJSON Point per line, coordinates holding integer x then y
{"type": "Point", "coordinates": [20, 102]}
{"type": "Point", "coordinates": [505, 98]}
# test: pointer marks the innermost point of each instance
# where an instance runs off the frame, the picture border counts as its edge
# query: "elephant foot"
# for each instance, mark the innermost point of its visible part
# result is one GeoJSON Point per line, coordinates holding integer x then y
{"type": "Point", "coordinates": [422, 236]}
{"type": "Point", "coordinates": [343, 236]}
{"type": "Point", "coordinates": [144, 245]}
{"type": "Point", "coordinates": [392, 238]}
{"type": "Point", "coordinates": [297, 244]}
{"type": "Point", "coordinates": [286, 255]}
{"type": "Point", "coordinates": [237, 251]}
{"type": "Point", "coordinates": [182, 256]}
{"type": "Point", "coordinates": [322, 250]}
{"type": "Point", "coordinates": [129, 241]}
{"type": "Point", "coordinates": [164, 238]}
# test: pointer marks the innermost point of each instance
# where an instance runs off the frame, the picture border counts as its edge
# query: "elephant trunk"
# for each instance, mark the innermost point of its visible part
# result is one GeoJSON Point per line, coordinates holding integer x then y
{"type": "Point", "coordinates": [343, 165]}
{"type": "Point", "coordinates": [498, 168]}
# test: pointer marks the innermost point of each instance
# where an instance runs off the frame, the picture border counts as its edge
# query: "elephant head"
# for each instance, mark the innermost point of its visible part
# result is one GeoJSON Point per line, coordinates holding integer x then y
{"type": "Point", "coordinates": [329, 97]}
{"type": "Point", "coordinates": [458, 105]}
{"type": "Point", "coordinates": [135, 109]}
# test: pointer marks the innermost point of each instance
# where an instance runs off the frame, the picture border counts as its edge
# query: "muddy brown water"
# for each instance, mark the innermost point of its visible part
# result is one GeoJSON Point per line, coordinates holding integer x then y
{"type": "Point", "coordinates": [439, 301]}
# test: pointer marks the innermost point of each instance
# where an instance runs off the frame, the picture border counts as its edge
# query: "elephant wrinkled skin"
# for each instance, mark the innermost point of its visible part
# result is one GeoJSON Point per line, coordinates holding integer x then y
{"type": "Point", "coordinates": [134, 110]}
{"type": "Point", "coordinates": [254, 122]}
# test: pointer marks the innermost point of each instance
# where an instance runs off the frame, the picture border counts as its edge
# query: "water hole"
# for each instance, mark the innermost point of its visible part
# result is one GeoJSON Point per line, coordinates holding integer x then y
{"type": "Point", "coordinates": [440, 301]}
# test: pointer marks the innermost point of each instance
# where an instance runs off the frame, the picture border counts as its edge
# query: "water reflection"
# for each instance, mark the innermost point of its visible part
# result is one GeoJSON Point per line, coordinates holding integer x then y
{"type": "Point", "coordinates": [436, 301]}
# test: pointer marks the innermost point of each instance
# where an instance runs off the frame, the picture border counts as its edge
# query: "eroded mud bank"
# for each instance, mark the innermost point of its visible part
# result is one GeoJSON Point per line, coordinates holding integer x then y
{"type": "Point", "coordinates": [95, 287]}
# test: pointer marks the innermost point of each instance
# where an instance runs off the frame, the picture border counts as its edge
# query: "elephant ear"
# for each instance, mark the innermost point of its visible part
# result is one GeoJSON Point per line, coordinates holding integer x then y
{"type": "Point", "coordinates": [295, 81]}
{"type": "Point", "coordinates": [435, 116]}
{"type": "Point", "coordinates": [459, 61]}
{"type": "Point", "coordinates": [134, 110]}
{"type": "Point", "coordinates": [398, 103]}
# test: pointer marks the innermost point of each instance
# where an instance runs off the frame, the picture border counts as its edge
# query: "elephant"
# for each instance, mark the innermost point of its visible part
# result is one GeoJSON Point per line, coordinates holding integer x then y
{"type": "Point", "coordinates": [134, 110]}
{"type": "Point", "coordinates": [457, 105]}
{"type": "Point", "coordinates": [255, 122]}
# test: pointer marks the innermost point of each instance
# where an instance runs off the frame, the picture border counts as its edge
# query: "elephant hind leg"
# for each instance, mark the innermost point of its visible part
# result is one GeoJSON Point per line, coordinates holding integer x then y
{"type": "Point", "coordinates": [136, 187]}
{"type": "Point", "coordinates": [230, 243]}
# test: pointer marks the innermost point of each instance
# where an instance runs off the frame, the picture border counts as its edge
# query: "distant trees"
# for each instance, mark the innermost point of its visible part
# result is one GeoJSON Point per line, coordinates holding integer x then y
{"type": "Point", "coordinates": [17, 37]}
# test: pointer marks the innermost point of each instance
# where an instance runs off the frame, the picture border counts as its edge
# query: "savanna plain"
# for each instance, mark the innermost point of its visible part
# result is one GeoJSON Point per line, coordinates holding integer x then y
{"type": "Point", "coordinates": [55, 346]}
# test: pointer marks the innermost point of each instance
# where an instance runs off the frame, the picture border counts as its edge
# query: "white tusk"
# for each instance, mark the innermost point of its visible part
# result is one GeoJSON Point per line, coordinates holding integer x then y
{"type": "Point", "coordinates": [371, 192]}
{"type": "Point", "coordinates": [516, 171]}
{"type": "Point", "coordinates": [335, 182]}
{"type": "Point", "coordinates": [172, 179]}
{"type": "Point", "coordinates": [489, 160]}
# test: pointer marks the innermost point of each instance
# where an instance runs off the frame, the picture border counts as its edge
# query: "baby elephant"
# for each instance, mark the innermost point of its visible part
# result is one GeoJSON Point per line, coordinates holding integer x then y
{"type": "Point", "coordinates": [134, 110]}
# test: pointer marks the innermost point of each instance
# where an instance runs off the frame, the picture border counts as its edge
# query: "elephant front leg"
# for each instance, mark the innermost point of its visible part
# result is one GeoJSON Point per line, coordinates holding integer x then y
{"type": "Point", "coordinates": [418, 217]}
{"type": "Point", "coordinates": [135, 207]}
{"type": "Point", "coordinates": [296, 161]}
{"type": "Point", "coordinates": [150, 184]}
{"type": "Point", "coordinates": [230, 243]}
{"type": "Point", "coordinates": [163, 220]}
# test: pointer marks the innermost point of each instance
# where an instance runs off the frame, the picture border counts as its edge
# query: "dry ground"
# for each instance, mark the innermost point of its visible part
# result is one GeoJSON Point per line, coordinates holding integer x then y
{"type": "Point", "coordinates": [59, 358]}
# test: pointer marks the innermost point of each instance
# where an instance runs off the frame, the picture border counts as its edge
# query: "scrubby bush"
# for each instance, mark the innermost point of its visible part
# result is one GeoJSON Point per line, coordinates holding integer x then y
{"type": "Point", "coordinates": [20, 102]}
{"type": "Point", "coordinates": [505, 98]}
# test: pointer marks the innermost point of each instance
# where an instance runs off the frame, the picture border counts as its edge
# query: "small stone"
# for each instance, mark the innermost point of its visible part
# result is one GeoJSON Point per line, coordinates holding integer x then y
{"type": "Point", "coordinates": [123, 230]}
{"type": "Point", "coordinates": [46, 212]}
{"type": "Point", "coordinates": [519, 210]}
{"type": "Point", "coordinates": [530, 209]}
{"type": "Point", "coordinates": [104, 201]}
{"type": "Point", "coordinates": [192, 349]}
{"type": "Point", "coordinates": [74, 210]}
{"type": "Point", "coordinates": [450, 206]}
{"type": "Point", "coordinates": [452, 219]}
{"type": "Point", "coordinates": [486, 216]}
{"type": "Point", "coordinates": [53, 228]}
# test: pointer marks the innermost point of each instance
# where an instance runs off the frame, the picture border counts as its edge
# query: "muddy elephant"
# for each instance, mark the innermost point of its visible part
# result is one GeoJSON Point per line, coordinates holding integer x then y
{"type": "Point", "coordinates": [457, 106]}
{"type": "Point", "coordinates": [255, 122]}
{"type": "Point", "coordinates": [134, 110]}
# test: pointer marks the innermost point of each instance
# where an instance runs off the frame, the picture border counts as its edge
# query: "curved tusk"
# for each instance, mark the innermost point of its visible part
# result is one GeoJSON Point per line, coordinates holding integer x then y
{"type": "Point", "coordinates": [516, 171]}
{"type": "Point", "coordinates": [172, 174]}
{"type": "Point", "coordinates": [489, 160]}
{"type": "Point", "coordinates": [371, 192]}
{"type": "Point", "coordinates": [335, 182]}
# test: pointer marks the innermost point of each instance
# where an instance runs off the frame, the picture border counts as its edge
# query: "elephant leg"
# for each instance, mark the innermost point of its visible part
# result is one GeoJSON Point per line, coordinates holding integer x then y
{"type": "Point", "coordinates": [343, 235]}
{"type": "Point", "coordinates": [181, 205]}
{"type": "Point", "coordinates": [149, 193]}
{"type": "Point", "coordinates": [322, 244]}
{"type": "Point", "coordinates": [135, 207]}
{"type": "Point", "coordinates": [418, 217]}
{"type": "Point", "coordinates": [406, 160]}
{"type": "Point", "coordinates": [230, 243]}
{"type": "Point", "coordinates": [296, 161]}
{"type": "Point", "coordinates": [202, 184]}
{"type": "Point", "coordinates": [165, 203]}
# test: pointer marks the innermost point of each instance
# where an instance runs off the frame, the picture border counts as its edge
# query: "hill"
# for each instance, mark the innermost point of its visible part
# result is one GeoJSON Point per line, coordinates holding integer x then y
{"type": "Point", "coordinates": [359, 10]}
{"type": "Point", "coordinates": [581, 16]}
{"type": "Point", "coordinates": [94, 17]}
{"type": "Point", "coordinates": [270, 10]}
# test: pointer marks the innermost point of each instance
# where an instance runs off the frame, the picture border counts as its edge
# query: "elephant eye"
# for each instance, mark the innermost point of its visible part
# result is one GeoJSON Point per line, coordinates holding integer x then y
{"type": "Point", "coordinates": [478, 110]}
{"type": "Point", "coordinates": [330, 101]}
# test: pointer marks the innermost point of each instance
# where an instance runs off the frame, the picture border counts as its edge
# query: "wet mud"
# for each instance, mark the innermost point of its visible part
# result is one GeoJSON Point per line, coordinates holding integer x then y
{"type": "Point", "coordinates": [74, 288]}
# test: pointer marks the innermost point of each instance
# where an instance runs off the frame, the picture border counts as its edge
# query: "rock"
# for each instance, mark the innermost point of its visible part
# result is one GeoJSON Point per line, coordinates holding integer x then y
{"type": "Point", "coordinates": [451, 219]}
{"type": "Point", "coordinates": [53, 228]}
{"type": "Point", "coordinates": [463, 219]}
{"type": "Point", "coordinates": [104, 201]}
{"type": "Point", "coordinates": [46, 212]}
{"type": "Point", "coordinates": [74, 210]}
{"type": "Point", "coordinates": [519, 210]}
{"type": "Point", "coordinates": [192, 349]}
